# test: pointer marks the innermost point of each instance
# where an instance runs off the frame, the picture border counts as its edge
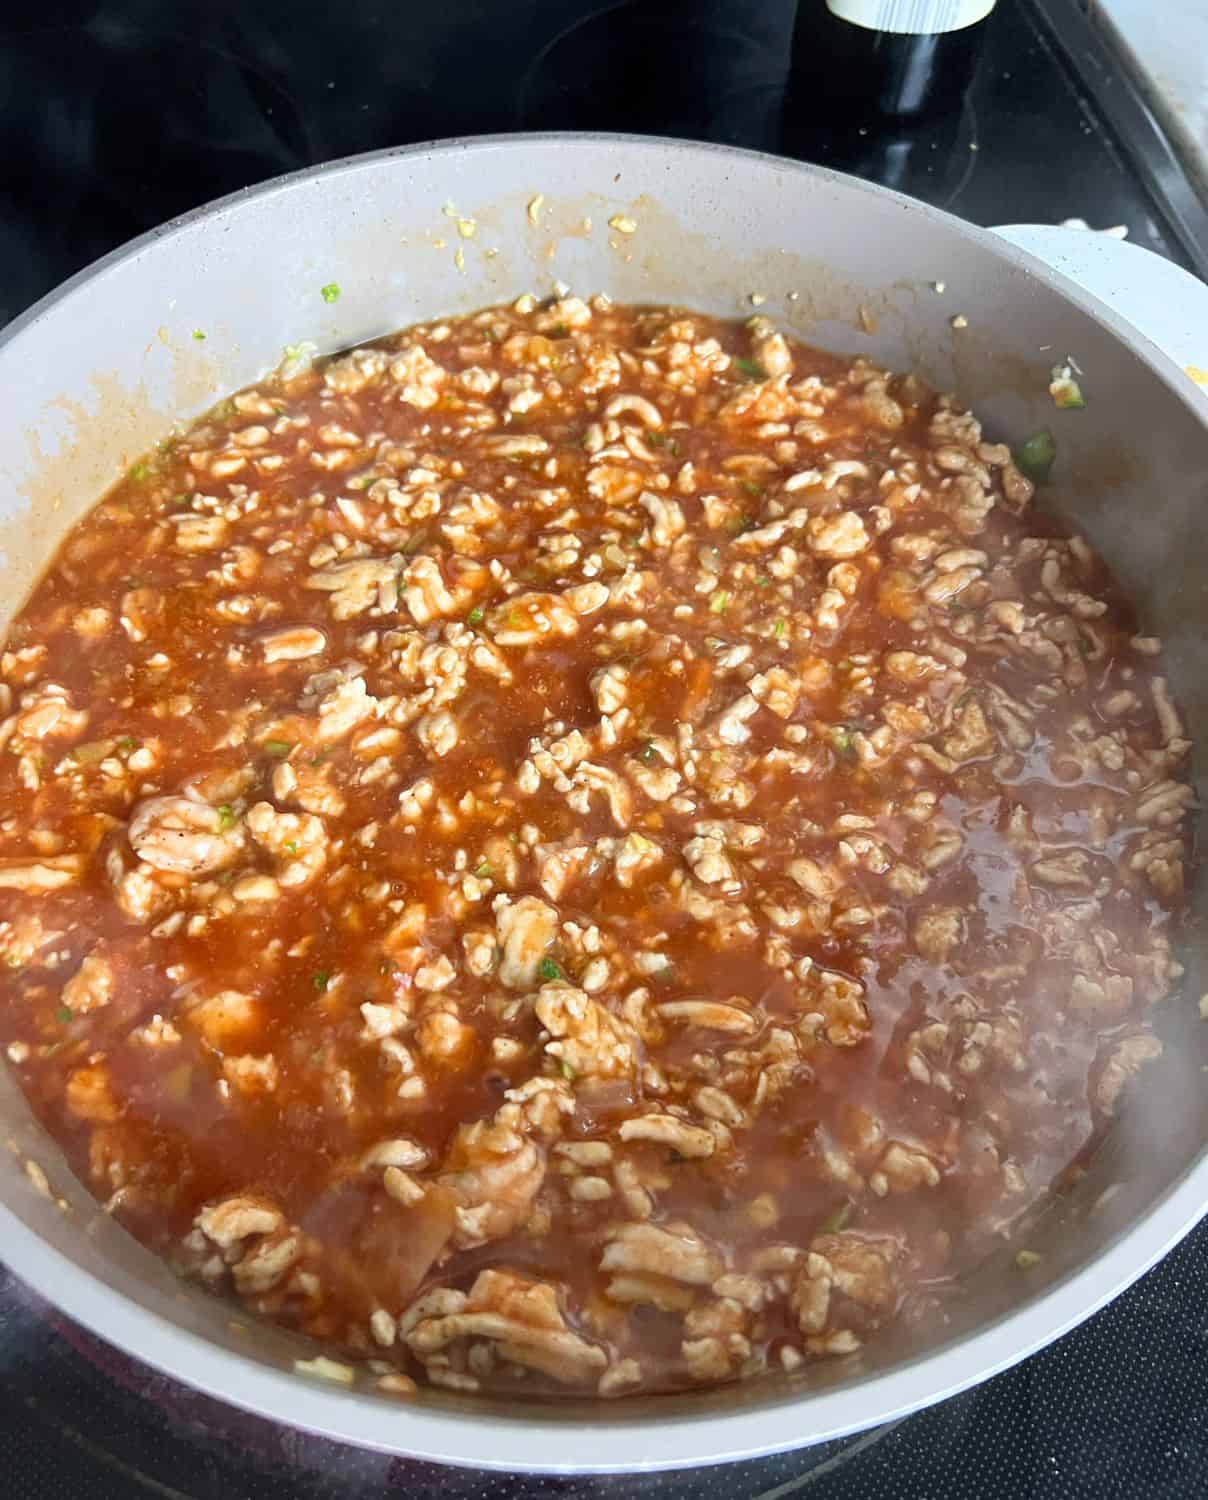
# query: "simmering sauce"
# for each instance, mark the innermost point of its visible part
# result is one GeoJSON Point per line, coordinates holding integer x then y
{"type": "Point", "coordinates": [581, 848]}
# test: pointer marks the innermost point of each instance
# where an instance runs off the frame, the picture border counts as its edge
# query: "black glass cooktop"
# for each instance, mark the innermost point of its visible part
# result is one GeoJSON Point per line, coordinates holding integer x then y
{"type": "Point", "coordinates": [116, 116]}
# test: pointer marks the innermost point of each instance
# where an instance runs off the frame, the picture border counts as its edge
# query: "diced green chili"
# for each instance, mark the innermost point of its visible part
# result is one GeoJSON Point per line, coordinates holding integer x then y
{"type": "Point", "coordinates": [279, 748]}
{"type": "Point", "coordinates": [1034, 457]}
{"type": "Point", "coordinates": [549, 968]}
{"type": "Point", "coordinates": [717, 604]}
{"type": "Point", "coordinates": [321, 979]}
{"type": "Point", "coordinates": [178, 1083]}
{"type": "Point", "coordinates": [476, 616]}
{"type": "Point", "coordinates": [64, 1014]}
{"type": "Point", "coordinates": [1067, 395]}
{"type": "Point", "coordinates": [751, 369]}
{"type": "Point", "coordinates": [483, 870]}
{"type": "Point", "coordinates": [330, 292]}
{"type": "Point", "coordinates": [91, 752]}
{"type": "Point", "coordinates": [836, 1220]}
{"type": "Point", "coordinates": [226, 817]}
{"type": "Point", "coordinates": [779, 628]}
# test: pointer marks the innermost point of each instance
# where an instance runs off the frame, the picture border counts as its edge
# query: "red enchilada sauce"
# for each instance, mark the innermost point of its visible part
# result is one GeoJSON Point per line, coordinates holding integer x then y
{"type": "Point", "coordinates": [581, 848]}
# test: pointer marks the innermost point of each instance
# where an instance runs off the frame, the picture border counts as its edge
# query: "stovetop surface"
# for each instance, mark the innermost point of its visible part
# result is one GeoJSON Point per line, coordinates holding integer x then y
{"type": "Point", "coordinates": [116, 116]}
{"type": "Point", "coordinates": [119, 114]}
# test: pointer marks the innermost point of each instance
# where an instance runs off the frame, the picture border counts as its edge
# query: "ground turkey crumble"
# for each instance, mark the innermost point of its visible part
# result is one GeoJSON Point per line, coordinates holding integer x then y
{"type": "Point", "coordinates": [581, 848]}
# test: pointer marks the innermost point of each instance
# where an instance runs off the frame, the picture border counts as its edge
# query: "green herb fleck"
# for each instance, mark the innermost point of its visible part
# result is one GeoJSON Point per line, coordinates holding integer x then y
{"type": "Point", "coordinates": [843, 743]}
{"type": "Point", "coordinates": [125, 744]}
{"type": "Point", "coordinates": [139, 471]}
{"type": "Point", "coordinates": [659, 439]}
{"type": "Point", "coordinates": [198, 335]}
{"type": "Point", "coordinates": [291, 849]}
{"type": "Point", "coordinates": [779, 628]}
{"type": "Point", "coordinates": [549, 968]}
{"type": "Point", "coordinates": [717, 605]}
{"type": "Point", "coordinates": [64, 1014]}
{"type": "Point", "coordinates": [752, 489]}
{"type": "Point", "coordinates": [649, 753]}
{"type": "Point", "coordinates": [1026, 1259]}
{"type": "Point", "coordinates": [1034, 458]}
{"type": "Point", "coordinates": [751, 369]}
{"type": "Point", "coordinates": [226, 817]}
{"type": "Point", "coordinates": [567, 1071]}
{"type": "Point", "coordinates": [330, 292]}
{"type": "Point", "coordinates": [763, 582]}
{"type": "Point", "coordinates": [476, 616]}
{"type": "Point", "coordinates": [483, 870]}
{"type": "Point", "coordinates": [180, 499]}
{"type": "Point", "coordinates": [560, 331]}
{"type": "Point", "coordinates": [1065, 390]}
{"type": "Point", "coordinates": [836, 1220]}
{"type": "Point", "coordinates": [321, 979]}
{"type": "Point", "coordinates": [279, 748]}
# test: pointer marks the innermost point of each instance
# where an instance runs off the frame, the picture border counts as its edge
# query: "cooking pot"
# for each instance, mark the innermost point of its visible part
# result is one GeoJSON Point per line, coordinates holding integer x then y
{"type": "Point", "coordinates": [100, 370]}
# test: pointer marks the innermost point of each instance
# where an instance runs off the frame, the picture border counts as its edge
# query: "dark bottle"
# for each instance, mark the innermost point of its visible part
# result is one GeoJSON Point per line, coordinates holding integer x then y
{"type": "Point", "coordinates": [862, 61]}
